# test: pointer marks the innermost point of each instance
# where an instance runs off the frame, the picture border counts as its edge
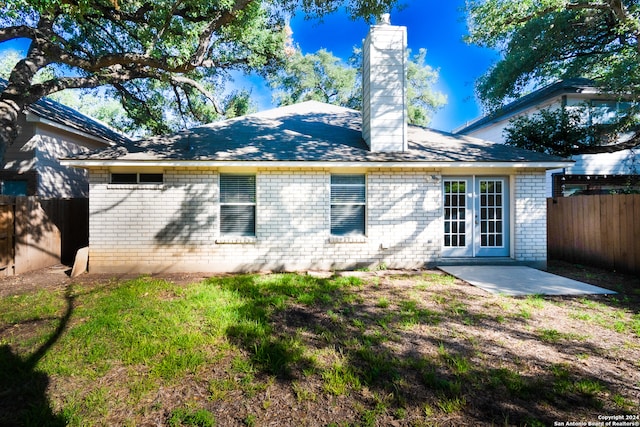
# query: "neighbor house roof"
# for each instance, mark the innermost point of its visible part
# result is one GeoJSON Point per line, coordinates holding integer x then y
{"type": "Point", "coordinates": [310, 132]}
{"type": "Point", "coordinates": [51, 111]}
{"type": "Point", "coordinates": [561, 87]}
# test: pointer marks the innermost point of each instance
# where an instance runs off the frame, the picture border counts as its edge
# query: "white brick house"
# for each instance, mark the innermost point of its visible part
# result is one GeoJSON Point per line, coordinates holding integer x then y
{"type": "Point", "coordinates": [314, 186]}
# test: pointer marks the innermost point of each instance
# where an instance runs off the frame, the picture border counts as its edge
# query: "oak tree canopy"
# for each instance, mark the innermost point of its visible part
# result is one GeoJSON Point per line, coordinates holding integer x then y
{"type": "Point", "coordinates": [163, 59]}
{"type": "Point", "coordinates": [541, 41]}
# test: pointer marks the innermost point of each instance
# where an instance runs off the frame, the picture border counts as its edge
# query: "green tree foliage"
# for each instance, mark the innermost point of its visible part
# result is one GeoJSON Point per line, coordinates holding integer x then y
{"type": "Point", "coordinates": [545, 40]}
{"type": "Point", "coordinates": [422, 100]}
{"type": "Point", "coordinates": [321, 76]}
{"type": "Point", "coordinates": [553, 131]}
{"type": "Point", "coordinates": [568, 131]}
{"type": "Point", "coordinates": [163, 59]}
{"type": "Point", "coordinates": [9, 60]}
{"type": "Point", "coordinates": [238, 103]}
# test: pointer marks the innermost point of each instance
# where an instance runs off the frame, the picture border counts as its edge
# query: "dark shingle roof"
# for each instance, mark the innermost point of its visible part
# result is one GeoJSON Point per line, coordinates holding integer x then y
{"type": "Point", "coordinates": [309, 131]}
{"type": "Point", "coordinates": [61, 114]}
{"type": "Point", "coordinates": [560, 87]}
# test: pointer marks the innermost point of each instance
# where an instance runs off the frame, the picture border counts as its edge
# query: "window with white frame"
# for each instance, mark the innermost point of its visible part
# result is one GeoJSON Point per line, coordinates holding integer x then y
{"type": "Point", "coordinates": [237, 205]}
{"type": "Point", "coordinates": [348, 205]}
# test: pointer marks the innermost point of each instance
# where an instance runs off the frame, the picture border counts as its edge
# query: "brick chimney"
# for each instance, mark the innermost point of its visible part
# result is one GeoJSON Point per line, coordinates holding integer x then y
{"type": "Point", "coordinates": [384, 113]}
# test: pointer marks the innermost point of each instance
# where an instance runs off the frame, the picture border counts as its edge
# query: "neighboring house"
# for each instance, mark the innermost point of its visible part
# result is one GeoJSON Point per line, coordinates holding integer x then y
{"type": "Point", "coordinates": [591, 173]}
{"type": "Point", "coordinates": [49, 131]}
{"type": "Point", "coordinates": [315, 186]}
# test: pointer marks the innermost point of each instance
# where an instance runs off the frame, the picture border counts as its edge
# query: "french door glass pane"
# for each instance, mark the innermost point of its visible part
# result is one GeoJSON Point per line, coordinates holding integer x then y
{"type": "Point", "coordinates": [491, 226]}
{"type": "Point", "coordinates": [455, 205]}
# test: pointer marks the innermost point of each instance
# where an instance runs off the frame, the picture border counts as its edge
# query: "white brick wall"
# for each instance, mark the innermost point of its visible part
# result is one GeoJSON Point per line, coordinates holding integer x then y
{"type": "Point", "coordinates": [404, 216]}
{"type": "Point", "coordinates": [530, 227]}
{"type": "Point", "coordinates": [174, 227]}
{"type": "Point", "coordinates": [151, 224]}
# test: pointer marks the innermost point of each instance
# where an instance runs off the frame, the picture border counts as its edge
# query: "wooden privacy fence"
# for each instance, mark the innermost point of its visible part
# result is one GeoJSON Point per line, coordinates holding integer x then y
{"type": "Point", "coordinates": [598, 230]}
{"type": "Point", "coordinates": [37, 233]}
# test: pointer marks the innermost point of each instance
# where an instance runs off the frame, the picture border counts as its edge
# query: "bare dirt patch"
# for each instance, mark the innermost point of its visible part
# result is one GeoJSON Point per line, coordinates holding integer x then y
{"type": "Point", "coordinates": [627, 284]}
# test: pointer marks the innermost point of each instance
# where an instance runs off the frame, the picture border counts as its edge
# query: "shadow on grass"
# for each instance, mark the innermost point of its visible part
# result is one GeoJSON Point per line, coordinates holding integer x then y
{"type": "Point", "coordinates": [285, 318]}
{"type": "Point", "coordinates": [23, 389]}
{"type": "Point", "coordinates": [270, 350]}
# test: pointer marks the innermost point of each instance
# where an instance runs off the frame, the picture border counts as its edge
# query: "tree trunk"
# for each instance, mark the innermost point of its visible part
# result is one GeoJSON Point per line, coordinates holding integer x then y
{"type": "Point", "coordinates": [9, 127]}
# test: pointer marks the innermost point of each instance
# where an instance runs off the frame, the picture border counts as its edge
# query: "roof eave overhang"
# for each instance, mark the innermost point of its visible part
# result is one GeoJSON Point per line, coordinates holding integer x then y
{"type": "Point", "coordinates": [90, 164]}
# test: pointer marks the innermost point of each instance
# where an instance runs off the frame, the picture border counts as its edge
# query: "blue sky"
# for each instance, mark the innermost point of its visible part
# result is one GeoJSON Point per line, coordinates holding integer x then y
{"type": "Point", "coordinates": [438, 26]}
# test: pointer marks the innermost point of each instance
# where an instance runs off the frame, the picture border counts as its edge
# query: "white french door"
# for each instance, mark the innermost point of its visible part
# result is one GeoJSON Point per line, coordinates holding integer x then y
{"type": "Point", "coordinates": [476, 217]}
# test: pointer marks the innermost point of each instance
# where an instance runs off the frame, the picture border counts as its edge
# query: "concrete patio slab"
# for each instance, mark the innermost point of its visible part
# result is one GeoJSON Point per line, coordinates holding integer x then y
{"type": "Point", "coordinates": [520, 280]}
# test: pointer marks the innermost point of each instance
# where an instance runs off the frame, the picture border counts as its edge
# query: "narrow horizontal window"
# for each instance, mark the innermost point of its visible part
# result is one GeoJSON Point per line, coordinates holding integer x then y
{"type": "Point", "coordinates": [150, 178]}
{"type": "Point", "coordinates": [348, 205]}
{"type": "Point", "coordinates": [237, 205]}
{"type": "Point", "coordinates": [137, 178]}
{"type": "Point", "coordinates": [124, 178]}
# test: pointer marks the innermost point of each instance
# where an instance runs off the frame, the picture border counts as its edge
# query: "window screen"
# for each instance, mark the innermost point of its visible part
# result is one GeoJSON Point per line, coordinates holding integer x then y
{"type": "Point", "coordinates": [348, 201]}
{"type": "Point", "coordinates": [238, 205]}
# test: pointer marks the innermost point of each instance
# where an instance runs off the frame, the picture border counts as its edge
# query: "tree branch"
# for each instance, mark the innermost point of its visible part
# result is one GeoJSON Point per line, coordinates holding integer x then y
{"type": "Point", "coordinates": [16, 32]}
{"type": "Point", "coordinates": [164, 27]}
{"type": "Point", "coordinates": [633, 142]}
{"type": "Point", "coordinates": [127, 97]}
{"type": "Point", "coordinates": [104, 31]}
{"type": "Point", "coordinates": [204, 40]}
{"type": "Point", "coordinates": [185, 80]}
{"type": "Point", "coordinates": [115, 13]}
{"type": "Point", "coordinates": [179, 102]}
{"type": "Point", "coordinates": [40, 90]}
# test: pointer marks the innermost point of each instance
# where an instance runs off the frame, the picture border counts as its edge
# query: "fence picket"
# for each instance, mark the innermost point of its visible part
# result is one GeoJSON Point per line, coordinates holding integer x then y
{"type": "Point", "coordinates": [43, 232]}
{"type": "Point", "coordinates": [602, 230]}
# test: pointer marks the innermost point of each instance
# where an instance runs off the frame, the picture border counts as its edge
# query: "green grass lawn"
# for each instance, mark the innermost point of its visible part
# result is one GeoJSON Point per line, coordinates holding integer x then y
{"type": "Point", "coordinates": [292, 349]}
